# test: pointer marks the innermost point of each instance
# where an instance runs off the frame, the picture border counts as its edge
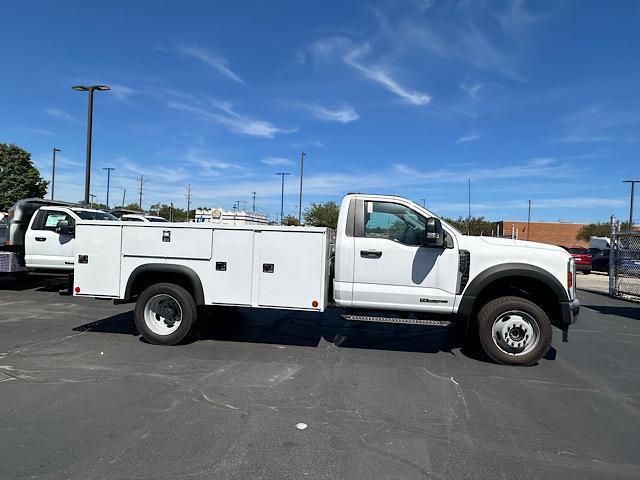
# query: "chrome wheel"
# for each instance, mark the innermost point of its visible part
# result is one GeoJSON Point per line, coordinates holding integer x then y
{"type": "Point", "coordinates": [515, 332]}
{"type": "Point", "coordinates": [162, 314]}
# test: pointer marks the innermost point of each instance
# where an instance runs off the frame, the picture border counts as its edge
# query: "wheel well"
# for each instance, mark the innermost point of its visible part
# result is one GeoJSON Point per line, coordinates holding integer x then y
{"type": "Point", "coordinates": [147, 278]}
{"type": "Point", "coordinates": [528, 288]}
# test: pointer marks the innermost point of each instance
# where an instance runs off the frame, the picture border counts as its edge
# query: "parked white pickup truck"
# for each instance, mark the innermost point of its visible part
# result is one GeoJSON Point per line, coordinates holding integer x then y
{"type": "Point", "coordinates": [33, 240]}
{"type": "Point", "coordinates": [391, 261]}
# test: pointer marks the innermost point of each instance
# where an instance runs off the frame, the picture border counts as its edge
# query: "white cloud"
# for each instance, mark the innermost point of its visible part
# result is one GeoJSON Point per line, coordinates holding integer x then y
{"type": "Point", "coordinates": [208, 164]}
{"type": "Point", "coordinates": [516, 16]}
{"type": "Point", "coordinates": [343, 113]}
{"type": "Point", "coordinates": [61, 115]}
{"type": "Point", "coordinates": [472, 90]}
{"type": "Point", "coordinates": [468, 138]}
{"type": "Point", "coordinates": [582, 138]}
{"type": "Point", "coordinates": [41, 131]}
{"type": "Point", "coordinates": [276, 161]}
{"type": "Point", "coordinates": [352, 55]}
{"type": "Point", "coordinates": [214, 61]}
{"type": "Point", "coordinates": [122, 92]}
{"type": "Point", "coordinates": [224, 114]}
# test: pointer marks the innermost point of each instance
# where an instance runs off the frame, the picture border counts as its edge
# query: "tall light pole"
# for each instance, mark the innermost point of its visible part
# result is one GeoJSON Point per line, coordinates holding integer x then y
{"type": "Point", "coordinates": [632, 182]}
{"type": "Point", "coordinates": [90, 89]}
{"type": "Point", "coordinates": [302, 155]}
{"type": "Point", "coordinates": [53, 171]}
{"type": "Point", "coordinates": [282, 174]}
{"type": "Point", "coordinates": [108, 169]}
{"type": "Point", "coordinates": [529, 220]}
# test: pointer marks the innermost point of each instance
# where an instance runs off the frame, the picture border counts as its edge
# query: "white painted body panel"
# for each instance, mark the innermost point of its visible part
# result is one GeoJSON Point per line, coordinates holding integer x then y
{"type": "Point", "coordinates": [300, 257]}
{"type": "Point", "coordinates": [101, 276]}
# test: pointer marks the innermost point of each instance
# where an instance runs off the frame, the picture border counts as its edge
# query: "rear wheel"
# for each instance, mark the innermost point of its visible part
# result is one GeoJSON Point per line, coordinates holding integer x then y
{"type": "Point", "coordinates": [514, 331]}
{"type": "Point", "coordinates": [165, 314]}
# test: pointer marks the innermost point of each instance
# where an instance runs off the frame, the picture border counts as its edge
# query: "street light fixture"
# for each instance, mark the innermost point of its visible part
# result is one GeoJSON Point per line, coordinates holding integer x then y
{"type": "Point", "coordinates": [90, 89]}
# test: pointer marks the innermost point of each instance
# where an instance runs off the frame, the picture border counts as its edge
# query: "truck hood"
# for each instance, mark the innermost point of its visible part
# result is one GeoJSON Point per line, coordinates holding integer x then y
{"type": "Point", "coordinates": [507, 242]}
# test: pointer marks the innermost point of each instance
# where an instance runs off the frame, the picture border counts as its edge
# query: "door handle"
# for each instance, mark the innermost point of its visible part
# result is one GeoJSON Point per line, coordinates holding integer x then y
{"type": "Point", "coordinates": [41, 239]}
{"type": "Point", "coordinates": [370, 253]}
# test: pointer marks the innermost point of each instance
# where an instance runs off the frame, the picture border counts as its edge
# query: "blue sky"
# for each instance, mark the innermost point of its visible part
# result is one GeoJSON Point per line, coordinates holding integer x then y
{"type": "Point", "coordinates": [531, 100]}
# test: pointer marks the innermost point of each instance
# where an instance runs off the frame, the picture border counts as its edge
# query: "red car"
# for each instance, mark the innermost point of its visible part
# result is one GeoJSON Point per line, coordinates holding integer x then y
{"type": "Point", "coordinates": [582, 257]}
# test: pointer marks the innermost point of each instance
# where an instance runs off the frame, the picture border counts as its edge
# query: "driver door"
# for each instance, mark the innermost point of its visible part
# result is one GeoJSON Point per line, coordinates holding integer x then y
{"type": "Point", "coordinates": [393, 269]}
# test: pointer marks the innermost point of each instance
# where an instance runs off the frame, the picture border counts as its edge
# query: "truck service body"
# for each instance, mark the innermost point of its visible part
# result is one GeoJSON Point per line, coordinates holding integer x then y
{"type": "Point", "coordinates": [389, 260]}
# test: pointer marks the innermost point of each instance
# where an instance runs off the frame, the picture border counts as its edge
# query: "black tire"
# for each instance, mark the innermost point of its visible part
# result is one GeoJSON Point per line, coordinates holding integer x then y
{"type": "Point", "coordinates": [586, 272]}
{"type": "Point", "coordinates": [188, 308]}
{"type": "Point", "coordinates": [492, 310]}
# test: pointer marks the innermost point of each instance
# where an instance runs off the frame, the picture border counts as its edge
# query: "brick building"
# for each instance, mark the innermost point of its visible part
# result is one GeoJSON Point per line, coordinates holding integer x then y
{"type": "Point", "coordinates": [555, 233]}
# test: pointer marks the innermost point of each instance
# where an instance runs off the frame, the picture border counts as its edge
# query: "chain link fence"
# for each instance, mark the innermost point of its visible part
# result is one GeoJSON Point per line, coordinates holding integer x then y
{"type": "Point", "coordinates": [624, 264]}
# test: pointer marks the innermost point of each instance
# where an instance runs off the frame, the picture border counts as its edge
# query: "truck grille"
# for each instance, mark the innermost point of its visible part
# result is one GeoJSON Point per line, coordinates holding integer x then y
{"type": "Point", "coordinates": [463, 270]}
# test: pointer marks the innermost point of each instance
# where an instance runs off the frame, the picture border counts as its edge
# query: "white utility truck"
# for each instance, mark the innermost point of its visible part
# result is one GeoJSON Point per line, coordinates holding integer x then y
{"type": "Point", "coordinates": [31, 239]}
{"type": "Point", "coordinates": [391, 260]}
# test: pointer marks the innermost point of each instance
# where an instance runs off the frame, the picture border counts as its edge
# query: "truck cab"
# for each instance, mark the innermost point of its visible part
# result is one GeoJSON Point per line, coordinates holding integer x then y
{"type": "Point", "coordinates": [33, 240]}
{"type": "Point", "coordinates": [46, 245]}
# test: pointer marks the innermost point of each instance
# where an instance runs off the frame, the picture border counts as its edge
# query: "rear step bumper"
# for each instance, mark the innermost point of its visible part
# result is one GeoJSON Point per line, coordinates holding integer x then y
{"type": "Point", "coordinates": [402, 321]}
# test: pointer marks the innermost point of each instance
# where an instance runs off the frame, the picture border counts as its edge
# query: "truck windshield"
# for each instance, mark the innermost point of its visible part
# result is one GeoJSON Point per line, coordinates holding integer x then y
{"type": "Point", "coordinates": [88, 215]}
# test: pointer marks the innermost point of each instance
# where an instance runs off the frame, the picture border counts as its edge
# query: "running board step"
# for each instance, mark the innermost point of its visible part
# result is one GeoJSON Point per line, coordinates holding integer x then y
{"type": "Point", "coordinates": [403, 321]}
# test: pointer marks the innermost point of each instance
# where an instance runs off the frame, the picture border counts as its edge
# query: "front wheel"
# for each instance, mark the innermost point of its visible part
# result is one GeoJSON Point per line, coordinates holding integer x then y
{"type": "Point", "coordinates": [165, 314]}
{"type": "Point", "coordinates": [514, 331]}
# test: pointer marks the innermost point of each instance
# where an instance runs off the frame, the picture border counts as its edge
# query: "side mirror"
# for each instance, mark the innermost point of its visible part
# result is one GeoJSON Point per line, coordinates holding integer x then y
{"type": "Point", "coordinates": [433, 234]}
{"type": "Point", "coordinates": [63, 228]}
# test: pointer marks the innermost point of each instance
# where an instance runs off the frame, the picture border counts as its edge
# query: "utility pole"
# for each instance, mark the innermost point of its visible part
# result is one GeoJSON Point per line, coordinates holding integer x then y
{"type": "Point", "coordinates": [108, 169]}
{"type": "Point", "coordinates": [282, 174]}
{"type": "Point", "coordinates": [53, 171]}
{"type": "Point", "coordinates": [529, 220]}
{"type": "Point", "coordinates": [188, 201]}
{"type": "Point", "coordinates": [424, 200]}
{"type": "Point", "coordinates": [254, 201]}
{"type": "Point", "coordinates": [632, 182]}
{"type": "Point", "coordinates": [90, 89]}
{"type": "Point", "coordinates": [302, 155]}
{"type": "Point", "coordinates": [141, 186]}
{"type": "Point", "coordinates": [124, 194]}
{"type": "Point", "coordinates": [469, 214]}
{"type": "Point", "coordinates": [92, 197]}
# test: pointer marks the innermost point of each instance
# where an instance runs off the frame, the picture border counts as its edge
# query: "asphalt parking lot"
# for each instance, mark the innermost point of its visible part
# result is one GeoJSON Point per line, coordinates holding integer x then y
{"type": "Point", "coordinates": [81, 396]}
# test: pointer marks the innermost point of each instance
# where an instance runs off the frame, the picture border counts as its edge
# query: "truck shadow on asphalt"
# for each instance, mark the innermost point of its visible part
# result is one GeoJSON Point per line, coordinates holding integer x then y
{"type": "Point", "coordinates": [306, 329]}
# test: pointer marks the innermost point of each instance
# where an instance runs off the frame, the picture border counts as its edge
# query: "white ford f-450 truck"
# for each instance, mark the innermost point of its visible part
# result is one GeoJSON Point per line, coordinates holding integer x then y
{"type": "Point", "coordinates": [391, 261]}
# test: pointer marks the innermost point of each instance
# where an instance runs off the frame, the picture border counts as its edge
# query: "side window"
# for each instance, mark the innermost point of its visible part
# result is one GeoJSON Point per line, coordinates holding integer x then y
{"type": "Point", "coordinates": [48, 220]}
{"type": "Point", "coordinates": [394, 222]}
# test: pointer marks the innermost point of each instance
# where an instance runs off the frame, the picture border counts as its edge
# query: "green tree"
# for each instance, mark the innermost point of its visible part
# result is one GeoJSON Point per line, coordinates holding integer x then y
{"type": "Point", "coordinates": [322, 214]}
{"type": "Point", "coordinates": [132, 206]}
{"type": "Point", "coordinates": [165, 211]}
{"type": "Point", "coordinates": [18, 177]}
{"type": "Point", "coordinates": [473, 225]}
{"type": "Point", "coordinates": [290, 220]}
{"type": "Point", "coordinates": [599, 229]}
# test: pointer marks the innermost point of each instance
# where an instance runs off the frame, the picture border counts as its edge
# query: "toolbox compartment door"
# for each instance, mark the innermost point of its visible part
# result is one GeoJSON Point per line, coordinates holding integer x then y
{"type": "Point", "coordinates": [97, 260]}
{"type": "Point", "coordinates": [291, 269]}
